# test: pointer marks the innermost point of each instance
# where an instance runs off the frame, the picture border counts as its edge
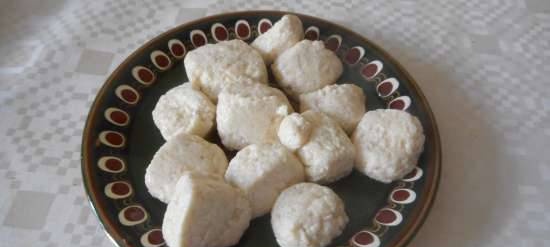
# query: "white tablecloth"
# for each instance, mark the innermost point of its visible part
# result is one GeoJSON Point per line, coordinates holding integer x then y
{"type": "Point", "coordinates": [483, 64]}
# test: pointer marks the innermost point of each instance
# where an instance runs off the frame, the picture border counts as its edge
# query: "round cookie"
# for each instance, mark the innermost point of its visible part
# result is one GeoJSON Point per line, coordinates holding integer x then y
{"type": "Point", "coordinates": [294, 131]}
{"type": "Point", "coordinates": [205, 212]}
{"type": "Point", "coordinates": [306, 67]}
{"type": "Point", "coordinates": [181, 154]}
{"type": "Point", "coordinates": [262, 171]}
{"type": "Point", "coordinates": [308, 215]}
{"type": "Point", "coordinates": [184, 110]}
{"type": "Point", "coordinates": [282, 35]}
{"type": "Point", "coordinates": [388, 143]}
{"type": "Point", "coordinates": [212, 67]}
{"type": "Point", "coordinates": [344, 103]}
{"type": "Point", "coordinates": [328, 153]}
{"type": "Point", "coordinates": [250, 113]}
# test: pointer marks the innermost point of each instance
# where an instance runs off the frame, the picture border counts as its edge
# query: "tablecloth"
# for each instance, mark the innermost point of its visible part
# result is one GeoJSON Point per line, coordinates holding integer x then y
{"type": "Point", "coordinates": [483, 65]}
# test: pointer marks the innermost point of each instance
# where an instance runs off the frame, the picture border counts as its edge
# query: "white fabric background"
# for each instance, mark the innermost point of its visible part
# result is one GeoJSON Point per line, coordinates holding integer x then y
{"type": "Point", "coordinates": [483, 65]}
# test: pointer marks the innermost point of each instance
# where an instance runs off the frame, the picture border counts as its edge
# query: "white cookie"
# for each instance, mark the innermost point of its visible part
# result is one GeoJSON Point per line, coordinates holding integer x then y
{"type": "Point", "coordinates": [181, 154]}
{"type": "Point", "coordinates": [294, 131]}
{"type": "Point", "coordinates": [344, 103]}
{"type": "Point", "coordinates": [262, 171]}
{"type": "Point", "coordinates": [250, 113]}
{"type": "Point", "coordinates": [388, 144]}
{"type": "Point", "coordinates": [306, 67]}
{"type": "Point", "coordinates": [282, 35]}
{"type": "Point", "coordinates": [205, 212]}
{"type": "Point", "coordinates": [308, 215]}
{"type": "Point", "coordinates": [213, 66]}
{"type": "Point", "coordinates": [184, 110]}
{"type": "Point", "coordinates": [328, 153]}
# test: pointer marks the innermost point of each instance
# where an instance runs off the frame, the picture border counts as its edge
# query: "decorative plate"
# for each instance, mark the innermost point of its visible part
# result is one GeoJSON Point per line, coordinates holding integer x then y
{"type": "Point", "coordinates": [120, 138]}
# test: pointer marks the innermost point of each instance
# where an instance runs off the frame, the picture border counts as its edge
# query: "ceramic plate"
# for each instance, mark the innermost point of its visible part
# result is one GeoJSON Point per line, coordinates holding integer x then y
{"type": "Point", "coordinates": [120, 138]}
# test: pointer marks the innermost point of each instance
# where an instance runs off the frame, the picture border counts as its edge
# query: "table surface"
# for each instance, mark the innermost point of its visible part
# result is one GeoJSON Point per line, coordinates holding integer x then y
{"type": "Point", "coordinates": [483, 65]}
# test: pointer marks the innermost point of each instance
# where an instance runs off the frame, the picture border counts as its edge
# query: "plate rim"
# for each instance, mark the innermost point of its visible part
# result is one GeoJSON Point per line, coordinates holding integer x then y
{"type": "Point", "coordinates": [418, 214]}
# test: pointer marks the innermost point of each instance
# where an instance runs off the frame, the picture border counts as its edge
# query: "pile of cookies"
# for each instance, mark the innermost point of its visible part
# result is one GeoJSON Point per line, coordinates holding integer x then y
{"type": "Point", "coordinates": [284, 155]}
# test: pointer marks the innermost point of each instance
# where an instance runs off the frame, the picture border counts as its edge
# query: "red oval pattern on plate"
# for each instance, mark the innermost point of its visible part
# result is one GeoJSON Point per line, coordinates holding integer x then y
{"type": "Point", "coordinates": [242, 29]}
{"type": "Point", "coordinates": [152, 238]}
{"type": "Point", "coordinates": [354, 55]}
{"type": "Point", "coordinates": [219, 32]}
{"type": "Point", "coordinates": [177, 48]}
{"type": "Point", "coordinates": [198, 38]}
{"type": "Point", "coordinates": [162, 61]}
{"type": "Point", "coordinates": [385, 88]}
{"type": "Point", "coordinates": [370, 70]}
{"type": "Point", "coordinates": [116, 116]}
{"type": "Point", "coordinates": [114, 164]}
{"type": "Point", "coordinates": [385, 216]}
{"type": "Point", "coordinates": [114, 138]}
{"type": "Point", "coordinates": [119, 117]}
{"type": "Point", "coordinates": [155, 237]}
{"type": "Point", "coordinates": [264, 25]}
{"type": "Point", "coordinates": [134, 213]}
{"type": "Point", "coordinates": [413, 175]}
{"type": "Point", "coordinates": [400, 195]}
{"type": "Point", "coordinates": [364, 238]}
{"type": "Point", "coordinates": [312, 33]}
{"type": "Point", "coordinates": [333, 42]}
{"type": "Point", "coordinates": [403, 196]}
{"type": "Point", "coordinates": [129, 95]}
{"type": "Point", "coordinates": [388, 217]}
{"type": "Point", "coordinates": [146, 75]}
{"type": "Point", "coordinates": [120, 188]}
{"type": "Point", "coordinates": [110, 164]}
{"type": "Point", "coordinates": [400, 103]}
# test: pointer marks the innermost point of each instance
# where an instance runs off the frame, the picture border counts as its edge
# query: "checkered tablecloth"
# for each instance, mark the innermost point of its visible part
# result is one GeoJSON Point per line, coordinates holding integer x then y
{"type": "Point", "coordinates": [484, 66]}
